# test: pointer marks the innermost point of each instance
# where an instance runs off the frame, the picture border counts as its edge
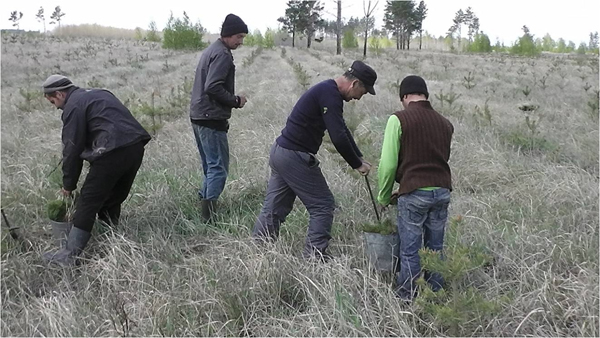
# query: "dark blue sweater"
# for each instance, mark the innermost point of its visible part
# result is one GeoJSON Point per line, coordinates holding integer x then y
{"type": "Point", "coordinates": [320, 108]}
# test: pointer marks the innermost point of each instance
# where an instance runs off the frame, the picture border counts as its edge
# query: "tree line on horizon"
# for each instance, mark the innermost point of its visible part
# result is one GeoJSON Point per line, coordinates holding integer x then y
{"type": "Point", "coordinates": [402, 22]}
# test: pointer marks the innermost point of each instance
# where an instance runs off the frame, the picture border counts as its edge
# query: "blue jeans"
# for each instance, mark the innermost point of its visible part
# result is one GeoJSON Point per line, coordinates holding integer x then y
{"type": "Point", "coordinates": [422, 217]}
{"type": "Point", "coordinates": [214, 152]}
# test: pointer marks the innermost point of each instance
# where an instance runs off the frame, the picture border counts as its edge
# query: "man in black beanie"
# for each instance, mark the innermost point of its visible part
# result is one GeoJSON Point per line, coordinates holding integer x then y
{"type": "Point", "coordinates": [97, 128]}
{"type": "Point", "coordinates": [415, 153]}
{"type": "Point", "coordinates": [213, 97]}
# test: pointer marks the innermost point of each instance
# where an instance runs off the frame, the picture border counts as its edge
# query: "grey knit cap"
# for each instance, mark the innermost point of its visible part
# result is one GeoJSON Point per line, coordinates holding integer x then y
{"type": "Point", "coordinates": [55, 83]}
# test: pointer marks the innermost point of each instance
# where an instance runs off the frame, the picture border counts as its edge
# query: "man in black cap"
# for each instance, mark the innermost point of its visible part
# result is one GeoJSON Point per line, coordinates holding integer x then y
{"type": "Point", "coordinates": [294, 166]}
{"type": "Point", "coordinates": [415, 153]}
{"type": "Point", "coordinates": [213, 97]}
{"type": "Point", "coordinates": [97, 128]}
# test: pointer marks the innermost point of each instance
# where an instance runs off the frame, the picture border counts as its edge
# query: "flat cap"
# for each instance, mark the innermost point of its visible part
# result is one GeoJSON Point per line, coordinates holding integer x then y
{"type": "Point", "coordinates": [364, 73]}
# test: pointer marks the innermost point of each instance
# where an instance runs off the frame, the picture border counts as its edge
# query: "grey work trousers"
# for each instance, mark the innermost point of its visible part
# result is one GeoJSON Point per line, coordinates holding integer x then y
{"type": "Point", "coordinates": [296, 173]}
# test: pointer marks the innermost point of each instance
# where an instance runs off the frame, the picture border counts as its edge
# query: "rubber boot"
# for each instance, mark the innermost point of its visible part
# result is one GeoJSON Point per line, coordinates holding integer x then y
{"type": "Point", "coordinates": [76, 242]}
{"type": "Point", "coordinates": [208, 210]}
{"type": "Point", "coordinates": [60, 233]}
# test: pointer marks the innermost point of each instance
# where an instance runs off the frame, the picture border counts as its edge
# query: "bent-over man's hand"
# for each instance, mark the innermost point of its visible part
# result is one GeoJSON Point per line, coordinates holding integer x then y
{"type": "Point", "coordinates": [65, 193]}
{"type": "Point", "coordinates": [364, 168]}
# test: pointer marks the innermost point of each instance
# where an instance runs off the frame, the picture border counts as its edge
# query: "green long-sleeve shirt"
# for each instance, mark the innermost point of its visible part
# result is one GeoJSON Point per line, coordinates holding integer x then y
{"type": "Point", "coordinates": [388, 162]}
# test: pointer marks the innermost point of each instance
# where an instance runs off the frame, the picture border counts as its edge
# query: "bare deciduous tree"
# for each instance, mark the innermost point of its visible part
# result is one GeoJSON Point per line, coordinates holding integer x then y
{"type": "Point", "coordinates": [368, 10]}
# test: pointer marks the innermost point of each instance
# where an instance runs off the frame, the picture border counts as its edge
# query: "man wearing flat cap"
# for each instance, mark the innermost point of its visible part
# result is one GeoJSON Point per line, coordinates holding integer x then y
{"type": "Point", "coordinates": [295, 170]}
{"type": "Point", "coordinates": [415, 153]}
{"type": "Point", "coordinates": [213, 98]}
{"type": "Point", "coordinates": [97, 128]}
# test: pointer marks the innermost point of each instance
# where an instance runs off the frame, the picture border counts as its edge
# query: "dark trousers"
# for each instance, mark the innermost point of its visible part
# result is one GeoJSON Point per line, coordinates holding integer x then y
{"type": "Point", "coordinates": [296, 173]}
{"type": "Point", "coordinates": [107, 185]}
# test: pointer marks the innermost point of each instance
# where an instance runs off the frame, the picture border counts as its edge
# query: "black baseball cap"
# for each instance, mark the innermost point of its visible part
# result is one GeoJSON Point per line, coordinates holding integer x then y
{"type": "Point", "coordinates": [365, 74]}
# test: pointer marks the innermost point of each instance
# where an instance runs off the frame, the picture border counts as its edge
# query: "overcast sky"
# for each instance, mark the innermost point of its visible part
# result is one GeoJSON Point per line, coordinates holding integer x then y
{"type": "Point", "coordinates": [571, 20]}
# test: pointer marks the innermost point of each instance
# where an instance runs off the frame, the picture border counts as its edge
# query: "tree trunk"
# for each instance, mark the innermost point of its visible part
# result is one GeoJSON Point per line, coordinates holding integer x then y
{"type": "Point", "coordinates": [420, 39]}
{"type": "Point", "coordinates": [293, 37]}
{"type": "Point", "coordinates": [366, 38]}
{"type": "Point", "coordinates": [402, 40]}
{"type": "Point", "coordinates": [397, 39]}
{"type": "Point", "coordinates": [408, 41]}
{"type": "Point", "coordinates": [338, 28]}
{"type": "Point", "coordinates": [311, 30]}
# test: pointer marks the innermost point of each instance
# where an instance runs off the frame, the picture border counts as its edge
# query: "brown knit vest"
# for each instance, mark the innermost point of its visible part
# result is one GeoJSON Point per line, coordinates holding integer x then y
{"type": "Point", "coordinates": [424, 148]}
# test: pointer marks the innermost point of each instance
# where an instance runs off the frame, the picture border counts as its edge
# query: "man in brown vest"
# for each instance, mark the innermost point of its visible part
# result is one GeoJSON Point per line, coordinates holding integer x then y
{"type": "Point", "coordinates": [415, 153]}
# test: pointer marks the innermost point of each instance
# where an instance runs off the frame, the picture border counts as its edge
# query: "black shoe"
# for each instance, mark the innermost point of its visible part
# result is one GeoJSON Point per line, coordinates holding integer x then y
{"type": "Point", "coordinates": [402, 298]}
{"type": "Point", "coordinates": [319, 256]}
{"type": "Point", "coordinates": [325, 257]}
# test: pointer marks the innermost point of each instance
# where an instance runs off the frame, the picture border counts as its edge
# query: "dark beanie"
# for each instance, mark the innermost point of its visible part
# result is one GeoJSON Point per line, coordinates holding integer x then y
{"type": "Point", "coordinates": [413, 84]}
{"type": "Point", "coordinates": [233, 25]}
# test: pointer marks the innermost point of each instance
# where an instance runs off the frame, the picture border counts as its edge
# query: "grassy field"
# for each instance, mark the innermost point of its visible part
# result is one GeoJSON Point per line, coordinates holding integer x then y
{"type": "Point", "coordinates": [522, 242]}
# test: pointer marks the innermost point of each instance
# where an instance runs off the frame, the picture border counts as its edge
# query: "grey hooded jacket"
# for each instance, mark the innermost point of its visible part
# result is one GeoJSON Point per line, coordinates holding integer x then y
{"type": "Point", "coordinates": [213, 92]}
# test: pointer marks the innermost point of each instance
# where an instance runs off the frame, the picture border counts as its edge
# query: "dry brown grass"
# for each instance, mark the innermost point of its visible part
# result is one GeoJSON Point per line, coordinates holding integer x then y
{"type": "Point", "coordinates": [163, 272]}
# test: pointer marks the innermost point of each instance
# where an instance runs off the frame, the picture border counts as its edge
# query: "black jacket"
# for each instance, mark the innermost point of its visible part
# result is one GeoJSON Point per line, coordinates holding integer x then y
{"type": "Point", "coordinates": [213, 92]}
{"type": "Point", "coordinates": [95, 123]}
